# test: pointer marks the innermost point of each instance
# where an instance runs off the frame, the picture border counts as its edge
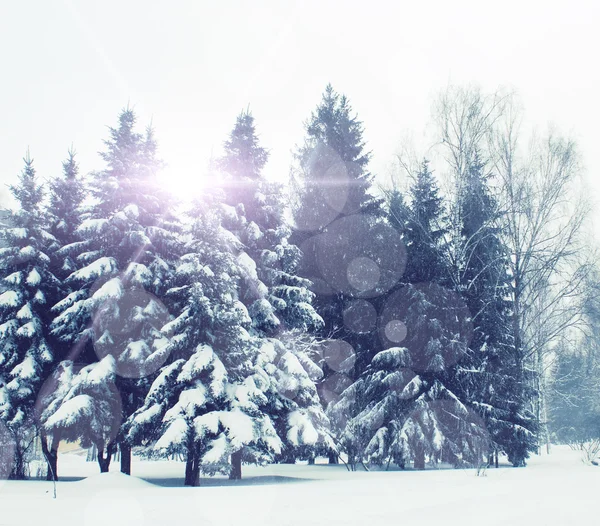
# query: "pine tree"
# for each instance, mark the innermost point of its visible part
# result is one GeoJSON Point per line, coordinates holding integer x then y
{"type": "Point", "coordinates": [66, 195]}
{"type": "Point", "coordinates": [333, 152]}
{"type": "Point", "coordinates": [208, 401]}
{"type": "Point", "coordinates": [279, 301]}
{"type": "Point", "coordinates": [243, 162]}
{"type": "Point", "coordinates": [83, 404]}
{"type": "Point", "coordinates": [28, 288]}
{"type": "Point", "coordinates": [347, 247]}
{"type": "Point", "coordinates": [406, 406]}
{"type": "Point", "coordinates": [124, 259]}
{"type": "Point", "coordinates": [424, 231]}
{"type": "Point", "coordinates": [495, 388]}
{"type": "Point", "coordinates": [66, 198]}
{"type": "Point", "coordinates": [403, 406]}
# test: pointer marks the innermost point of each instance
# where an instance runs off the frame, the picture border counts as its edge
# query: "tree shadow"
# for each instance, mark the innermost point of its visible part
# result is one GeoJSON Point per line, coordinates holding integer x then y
{"type": "Point", "coordinates": [219, 481]}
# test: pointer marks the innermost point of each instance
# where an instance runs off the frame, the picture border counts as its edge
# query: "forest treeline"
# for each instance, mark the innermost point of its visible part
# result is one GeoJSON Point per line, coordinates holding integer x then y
{"type": "Point", "coordinates": [451, 316]}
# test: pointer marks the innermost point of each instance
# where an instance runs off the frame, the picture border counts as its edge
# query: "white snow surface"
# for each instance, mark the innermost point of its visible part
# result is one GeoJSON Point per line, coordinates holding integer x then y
{"type": "Point", "coordinates": [34, 278]}
{"type": "Point", "coordinates": [99, 267]}
{"type": "Point", "coordinates": [69, 413]}
{"type": "Point", "coordinates": [248, 265]}
{"type": "Point", "coordinates": [553, 490]}
{"type": "Point", "coordinates": [111, 290]}
{"type": "Point", "coordinates": [10, 298]}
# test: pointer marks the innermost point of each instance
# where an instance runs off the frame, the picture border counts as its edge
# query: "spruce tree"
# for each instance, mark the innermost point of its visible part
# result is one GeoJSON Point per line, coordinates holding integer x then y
{"type": "Point", "coordinates": [208, 400]}
{"type": "Point", "coordinates": [278, 300]}
{"type": "Point", "coordinates": [494, 389]}
{"type": "Point", "coordinates": [124, 257]}
{"type": "Point", "coordinates": [67, 193]}
{"type": "Point", "coordinates": [82, 404]}
{"type": "Point", "coordinates": [28, 289]}
{"type": "Point", "coordinates": [406, 406]}
{"type": "Point", "coordinates": [350, 252]}
{"type": "Point", "coordinates": [333, 182]}
{"type": "Point", "coordinates": [334, 152]}
{"type": "Point", "coordinates": [424, 231]}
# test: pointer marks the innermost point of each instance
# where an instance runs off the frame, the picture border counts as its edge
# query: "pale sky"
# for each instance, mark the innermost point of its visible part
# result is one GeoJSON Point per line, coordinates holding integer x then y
{"type": "Point", "coordinates": [69, 66]}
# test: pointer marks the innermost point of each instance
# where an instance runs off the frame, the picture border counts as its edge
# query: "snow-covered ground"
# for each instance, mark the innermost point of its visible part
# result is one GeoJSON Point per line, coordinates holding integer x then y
{"type": "Point", "coordinates": [553, 490]}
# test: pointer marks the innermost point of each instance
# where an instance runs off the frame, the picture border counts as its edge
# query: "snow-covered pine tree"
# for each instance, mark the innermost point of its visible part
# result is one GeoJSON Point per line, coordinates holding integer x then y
{"type": "Point", "coordinates": [489, 375]}
{"type": "Point", "coordinates": [279, 301]}
{"type": "Point", "coordinates": [334, 184]}
{"type": "Point", "coordinates": [333, 129]}
{"type": "Point", "coordinates": [208, 401]}
{"type": "Point", "coordinates": [405, 407]}
{"type": "Point", "coordinates": [83, 404]}
{"type": "Point", "coordinates": [126, 246]}
{"type": "Point", "coordinates": [66, 195]}
{"type": "Point", "coordinates": [424, 231]}
{"type": "Point", "coordinates": [332, 180]}
{"type": "Point", "coordinates": [28, 289]}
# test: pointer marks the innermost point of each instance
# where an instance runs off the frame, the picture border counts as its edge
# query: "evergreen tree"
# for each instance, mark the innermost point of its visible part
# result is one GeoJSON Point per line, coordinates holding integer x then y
{"type": "Point", "coordinates": [243, 162]}
{"type": "Point", "coordinates": [28, 288]}
{"type": "Point", "coordinates": [406, 406]}
{"type": "Point", "coordinates": [424, 231]}
{"type": "Point", "coordinates": [338, 224]}
{"type": "Point", "coordinates": [494, 388]}
{"type": "Point", "coordinates": [332, 182]}
{"type": "Point", "coordinates": [127, 245]}
{"type": "Point", "coordinates": [208, 401]}
{"type": "Point", "coordinates": [279, 301]}
{"type": "Point", "coordinates": [83, 404]}
{"type": "Point", "coordinates": [66, 198]}
{"type": "Point", "coordinates": [334, 153]}
{"type": "Point", "coordinates": [67, 193]}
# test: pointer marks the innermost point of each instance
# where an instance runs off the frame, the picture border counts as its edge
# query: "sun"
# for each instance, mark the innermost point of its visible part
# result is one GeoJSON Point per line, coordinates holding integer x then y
{"type": "Point", "coordinates": [185, 185]}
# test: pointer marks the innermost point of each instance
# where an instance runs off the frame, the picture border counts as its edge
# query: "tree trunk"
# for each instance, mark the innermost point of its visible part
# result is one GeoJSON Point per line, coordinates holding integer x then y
{"type": "Point", "coordinates": [288, 457]}
{"type": "Point", "coordinates": [333, 457]}
{"type": "Point", "coordinates": [496, 458]}
{"type": "Point", "coordinates": [192, 468]}
{"type": "Point", "coordinates": [419, 461]}
{"type": "Point", "coordinates": [311, 460]}
{"type": "Point", "coordinates": [352, 460]}
{"type": "Point", "coordinates": [125, 458]}
{"type": "Point", "coordinates": [51, 455]}
{"type": "Point", "coordinates": [543, 410]}
{"type": "Point", "coordinates": [18, 471]}
{"type": "Point", "coordinates": [189, 463]}
{"type": "Point", "coordinates": [236, 466]}
{"type": "Point", "coordinates": [104, 459]}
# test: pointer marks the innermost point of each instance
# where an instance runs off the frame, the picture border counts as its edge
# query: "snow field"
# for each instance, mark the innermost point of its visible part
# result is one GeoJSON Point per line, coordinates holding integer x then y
{"type": "Point", "coordinates": [553, 490]}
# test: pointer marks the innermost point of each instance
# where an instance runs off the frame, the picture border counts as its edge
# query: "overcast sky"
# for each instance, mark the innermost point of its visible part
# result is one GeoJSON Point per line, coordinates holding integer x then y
{"type": "Point", "coordinates": [191, 66]}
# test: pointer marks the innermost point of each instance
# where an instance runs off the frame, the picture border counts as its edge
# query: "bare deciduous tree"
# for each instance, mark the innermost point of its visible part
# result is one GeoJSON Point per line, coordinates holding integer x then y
{"type": "Point", "coordinates": [542, 223]}
{"type": "Point", "coordinates": [541, 217]}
